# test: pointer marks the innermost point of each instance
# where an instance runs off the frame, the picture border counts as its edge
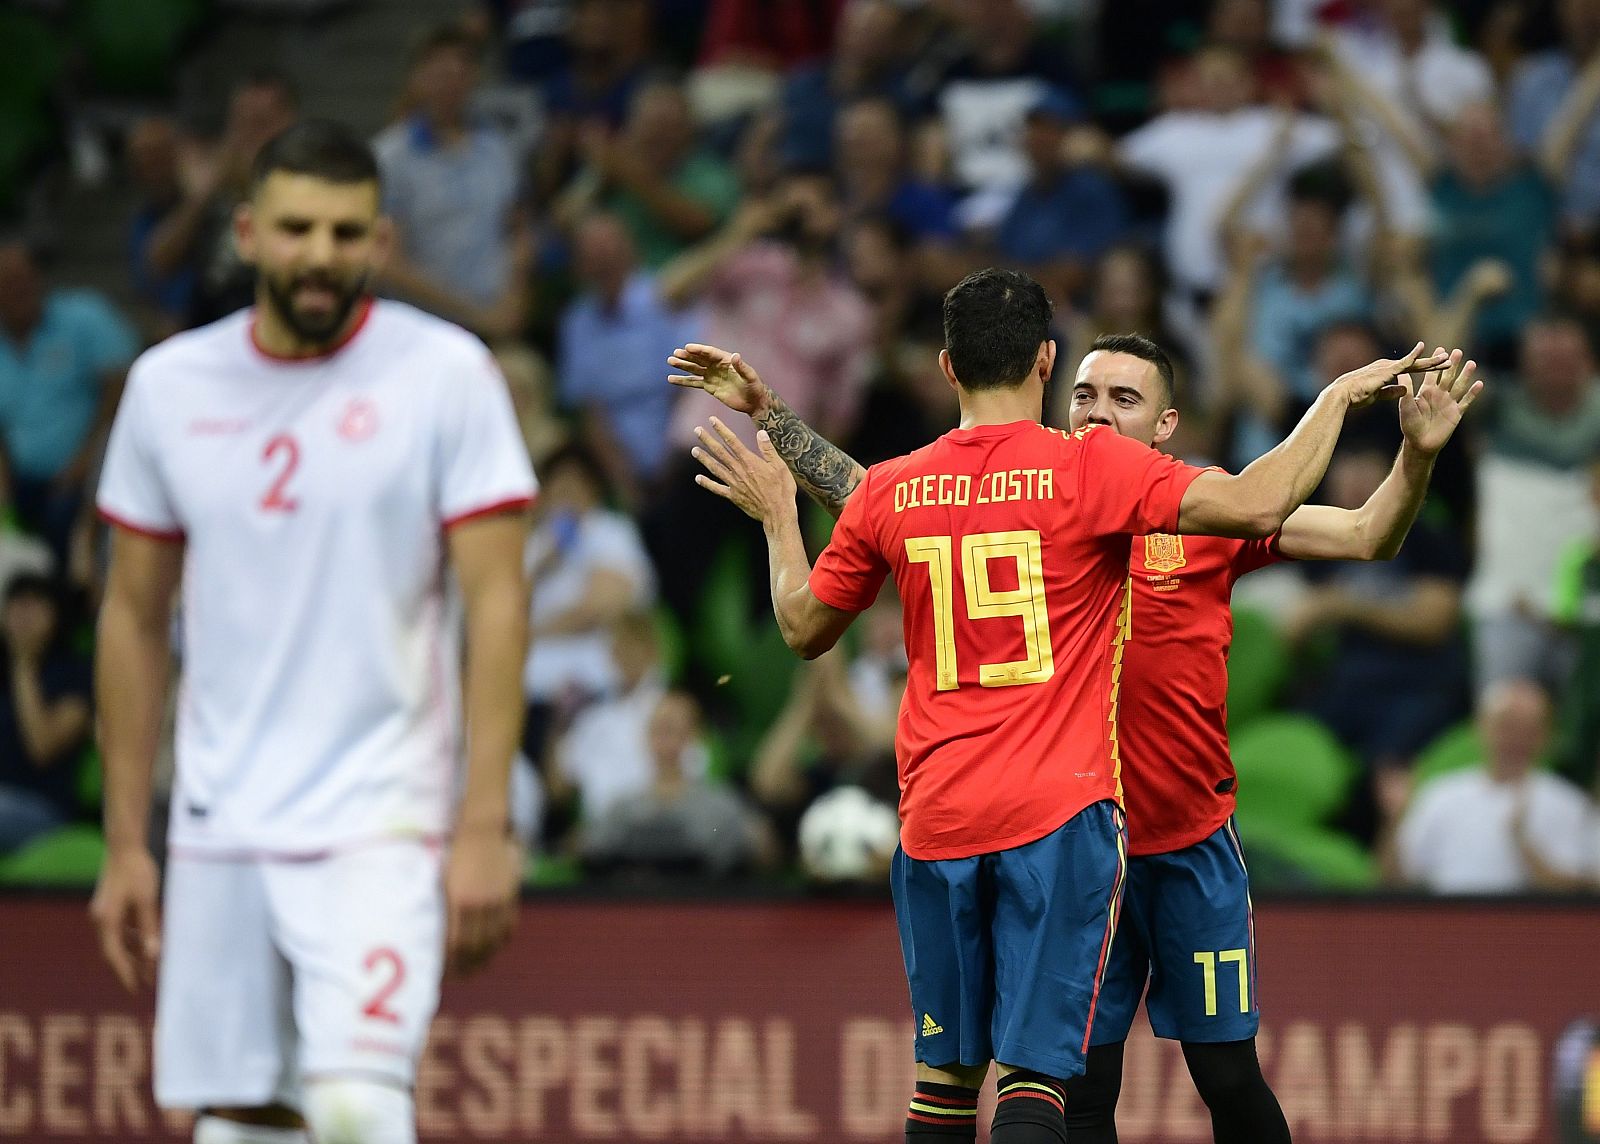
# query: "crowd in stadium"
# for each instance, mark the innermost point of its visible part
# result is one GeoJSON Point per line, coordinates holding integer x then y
{"type": "Point", "coordinates": [1277, 192]}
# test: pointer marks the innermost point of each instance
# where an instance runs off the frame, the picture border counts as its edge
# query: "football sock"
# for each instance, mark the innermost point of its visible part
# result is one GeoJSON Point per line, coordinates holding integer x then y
{"type": "Point", "coordinates": [210, 1129]}
{"type": "Point", "coordinates": [1092, 1098]}
{"type": "Point", "coordinates": [1031, 1110]}
{"type": "Point", "coordinates": [1243, 1109]}
{"type": "Point", "coordinates": [356, 1110]}
{"type": "Point", "coordinates": [942, 1114]}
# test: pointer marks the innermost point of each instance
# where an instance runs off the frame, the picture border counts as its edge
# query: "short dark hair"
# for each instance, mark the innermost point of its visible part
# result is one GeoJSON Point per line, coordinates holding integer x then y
{"type": "Point", "coordinates": [1322, 184]}
{"type": "Point", "coordinates": [34, 585]}
{"type": "Point", "coordinates": [579, 456]}
{"type": "Point", "coordinates": [994, 322]}
{"type": "Point", "coordinates": [1141, 347]}
{"type": "Point", "coordinates": [320, 148]}
{"type": "Point", "coordinates": [270, 77]}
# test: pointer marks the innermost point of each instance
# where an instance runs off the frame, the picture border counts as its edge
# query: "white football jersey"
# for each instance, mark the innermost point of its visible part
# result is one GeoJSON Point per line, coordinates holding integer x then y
{"type": "Point", "coordinates": [321, 699]}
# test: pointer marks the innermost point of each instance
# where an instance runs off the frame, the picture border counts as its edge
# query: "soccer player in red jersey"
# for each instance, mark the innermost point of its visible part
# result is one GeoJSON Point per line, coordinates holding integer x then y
{"type": "Point", "coordinates": [1008, 544]}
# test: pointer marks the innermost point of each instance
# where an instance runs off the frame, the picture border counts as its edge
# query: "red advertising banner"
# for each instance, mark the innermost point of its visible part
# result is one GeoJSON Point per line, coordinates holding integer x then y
{"type": "Point", "coordinates": [611, 1021]}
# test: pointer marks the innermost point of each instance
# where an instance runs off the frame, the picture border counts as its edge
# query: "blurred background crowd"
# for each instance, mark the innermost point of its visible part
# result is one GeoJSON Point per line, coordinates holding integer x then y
{"type": "Point", "coordinates": [1276, 190]}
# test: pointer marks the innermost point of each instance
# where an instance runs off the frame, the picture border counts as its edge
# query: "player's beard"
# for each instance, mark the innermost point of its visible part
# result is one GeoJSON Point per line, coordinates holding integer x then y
{"type": "Point", "coordinates": [314, 330]}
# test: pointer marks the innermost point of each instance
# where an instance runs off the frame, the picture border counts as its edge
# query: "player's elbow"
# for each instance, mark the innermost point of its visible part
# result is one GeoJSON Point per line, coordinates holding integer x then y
{"type": "Point", "coordinates": [808, 645]}
{"type": "Point", "coordinates": [1263, 517]}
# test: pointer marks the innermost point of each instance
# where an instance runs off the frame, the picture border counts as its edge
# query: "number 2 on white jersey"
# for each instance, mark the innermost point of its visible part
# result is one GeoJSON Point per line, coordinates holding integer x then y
{"type": "Point", "coordinates": [1026, 602]}
{"type": "Point", "coordinates": [277, 498]}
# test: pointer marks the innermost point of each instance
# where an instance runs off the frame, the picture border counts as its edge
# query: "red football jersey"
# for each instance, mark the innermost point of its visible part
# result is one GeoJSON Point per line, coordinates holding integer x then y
{"type": "Point", "coordinates": [1173, 729]}
{"type": "Point", "coordinates": [1009, 545]}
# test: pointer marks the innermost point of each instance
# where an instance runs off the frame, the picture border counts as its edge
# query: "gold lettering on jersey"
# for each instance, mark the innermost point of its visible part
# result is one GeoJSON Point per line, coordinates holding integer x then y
{"type": "Point", "coordinates": [1163, 552]}
{"type": "Point", "coordinates": [936, 489]}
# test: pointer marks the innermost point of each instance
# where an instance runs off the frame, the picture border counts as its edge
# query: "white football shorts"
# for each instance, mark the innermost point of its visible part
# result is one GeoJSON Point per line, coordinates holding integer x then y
{"type": "Point", "coordinates": [275, 970]}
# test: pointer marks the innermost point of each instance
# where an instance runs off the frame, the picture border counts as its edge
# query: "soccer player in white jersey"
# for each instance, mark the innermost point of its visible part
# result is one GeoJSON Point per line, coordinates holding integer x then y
{"type": "Point", "coordinates": [309, 470]}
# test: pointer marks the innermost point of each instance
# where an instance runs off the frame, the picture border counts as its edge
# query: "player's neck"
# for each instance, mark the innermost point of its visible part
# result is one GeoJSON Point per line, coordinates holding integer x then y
{"type": "Point", "coordinates": [1001, 406]}
{"type": "Point", "coordinates": [274, 337]}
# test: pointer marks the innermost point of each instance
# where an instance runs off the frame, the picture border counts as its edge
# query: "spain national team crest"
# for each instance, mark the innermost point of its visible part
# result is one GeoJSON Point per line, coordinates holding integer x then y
{"type": "Point", "coordinates": [1163, 552]}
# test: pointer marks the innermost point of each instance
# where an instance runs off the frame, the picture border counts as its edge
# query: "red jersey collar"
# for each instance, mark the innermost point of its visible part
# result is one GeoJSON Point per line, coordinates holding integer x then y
{"type": "Point", "coordinates": [363, 315]}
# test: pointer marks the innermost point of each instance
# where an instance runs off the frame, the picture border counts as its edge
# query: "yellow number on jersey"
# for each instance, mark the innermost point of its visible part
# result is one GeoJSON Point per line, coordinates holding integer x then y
{"type": "Point", "coordinates": [1026, 602]}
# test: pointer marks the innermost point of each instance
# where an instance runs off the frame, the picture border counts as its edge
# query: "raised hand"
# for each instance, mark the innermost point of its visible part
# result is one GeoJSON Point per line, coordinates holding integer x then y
{"type": "Point", "coordinates": [1379, 380]}
{"type": "Point", "coordinates": [1430, 414]}
{"type": "Point", "coordinates": [760, 484]}
{"type": "Point", "coordinates": [724, 375]}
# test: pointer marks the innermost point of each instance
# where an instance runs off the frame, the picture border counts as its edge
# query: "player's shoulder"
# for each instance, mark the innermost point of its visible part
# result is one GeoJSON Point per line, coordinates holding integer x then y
{"type": "Point", "coordinates": [199, 353]}
{"type": "Point", "coordinates": [405, 333]}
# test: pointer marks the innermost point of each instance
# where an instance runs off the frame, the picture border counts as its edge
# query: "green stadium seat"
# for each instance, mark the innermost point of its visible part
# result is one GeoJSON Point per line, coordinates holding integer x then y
{"type": "Point", "coordinates": [1324, 859]}
{"type": "Point", "coordinates": [671, 643]}
{"type": "Point", "coordinates": [734, 639]}
{"type": "Point", "coordinates": [1292, 773]}
{"type": "Point", "coordinates": [1258, 666]}
{"type": "Point", "coordinates": [70, 856]}
{"type": "Point", "coordinates": [551, 870]}
{"type": "Point", "coordinates": [1453, 750]}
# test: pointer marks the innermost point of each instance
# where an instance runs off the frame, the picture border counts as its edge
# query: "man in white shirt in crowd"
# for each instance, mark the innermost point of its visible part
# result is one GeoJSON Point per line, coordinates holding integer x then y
{"type": "Point", "coordinates": [605, 757]}
{"type": "Point", "coordinates": [310, 470]}
{"type": "Point", "coordinates": [1504, 827]}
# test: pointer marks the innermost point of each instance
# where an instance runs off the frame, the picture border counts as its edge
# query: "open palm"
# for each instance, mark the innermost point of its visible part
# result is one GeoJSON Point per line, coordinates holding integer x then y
{"type": "Point", "coordinates": [1429, 414]}
{"type": "Point", "coordinates": [724, 375]}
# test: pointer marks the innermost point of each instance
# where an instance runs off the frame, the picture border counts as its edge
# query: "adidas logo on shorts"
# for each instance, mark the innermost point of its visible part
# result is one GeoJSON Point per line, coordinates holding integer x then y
{"type": "Point", "coordinates": [929, 1028]}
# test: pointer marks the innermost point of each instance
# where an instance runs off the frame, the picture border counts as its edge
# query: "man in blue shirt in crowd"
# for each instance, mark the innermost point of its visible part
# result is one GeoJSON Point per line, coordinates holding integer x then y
{"type": "Point", "coordinates": [63, 356]}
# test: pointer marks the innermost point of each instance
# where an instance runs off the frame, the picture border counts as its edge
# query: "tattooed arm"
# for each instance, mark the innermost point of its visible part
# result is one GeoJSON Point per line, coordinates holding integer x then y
{"type": "Point", "coordinates": [827, 473]}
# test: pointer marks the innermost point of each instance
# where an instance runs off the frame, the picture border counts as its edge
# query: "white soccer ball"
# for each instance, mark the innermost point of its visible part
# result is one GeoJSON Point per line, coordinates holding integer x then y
{"type": "Point", "coordinates": [846, 835]}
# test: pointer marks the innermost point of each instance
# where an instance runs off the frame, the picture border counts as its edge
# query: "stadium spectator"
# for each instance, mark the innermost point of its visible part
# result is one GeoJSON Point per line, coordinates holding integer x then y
{"type": "Point", "coordinates": [1001, 67]}
{"type": "Point", "coordinates": [780, 34]}
{"type": "Point", "coordinates": [532, 34]}
{"type": "Point", "coordinates": [867, 62]}
{"type": "Point", "coordinates": [613, 339]}
{"type": "Point", "coordinates": [450, 185]}
{"type": "Point", "coordinates": [1551, 104]}
{"type": "Point", "coordinates": [588, 568]}
{"type": "Point", "coordinates": [771, 286]}
{"type": "Point", "coordinates": [1126, 293]}
{"type": "Point", "coordinates": [870, 163]}
{"type": "Point", "coordinates": [1487, 204]}
{"type": "Point", "coordinates": [679, 825]}
{"type": "Point", "coordinates": [1539, 438]}
{"type": "Point", "coordinates": [44, 714]}
{"type": "Point", "coordinates": [1394, 626]}
{"type": "Point", "coordinates": [154, 147]}
{"type": "Point", "coordinates": [1203, 155]}
{"type": "Point", "coordinates": [605, 755]}
{"type": "Point", "coordinates": [528, 377]}
{"type": "Point", "coordinates": [1410, 81]}
{"type": "Point", "coordinates": [1245, 26]}
{"type": "Point", "coordinates": [668, 192]}
{"type": "Point", "coordinates": [1067, 214]}
{"type": "Point", "coordinates": [837, 727]}
{"type": "Point", "coordinates": [63, 356]}
{"type": "Point", "coordinates": [607, 52]}
{"type": "Point", "coordinates": [194, 236]}
{"type": "Point", "coordinates": [1503, 826]}
{"type": "Point", "coordinates": [1277, 306]}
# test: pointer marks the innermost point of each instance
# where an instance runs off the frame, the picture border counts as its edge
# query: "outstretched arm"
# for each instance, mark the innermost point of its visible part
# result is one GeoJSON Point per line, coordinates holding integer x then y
{"type": "Point", "coordinates": [1376, 530]}
{"type": "Point", "coordinates": [1257, 501]}
{"type": "Point", "coordinates": [826, 473]}
{"type": "Point", "coordinates": [764, 489]}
